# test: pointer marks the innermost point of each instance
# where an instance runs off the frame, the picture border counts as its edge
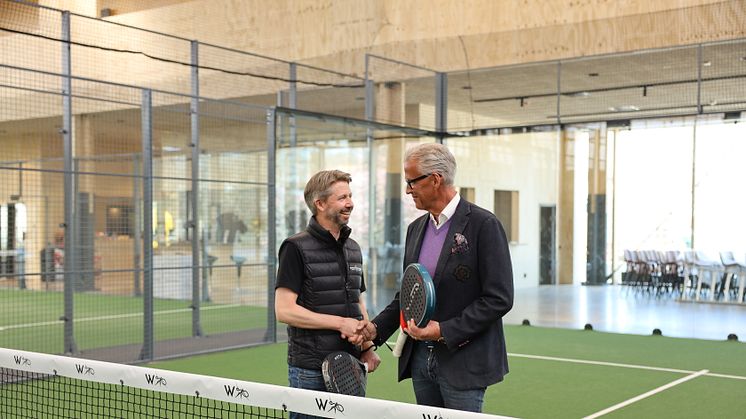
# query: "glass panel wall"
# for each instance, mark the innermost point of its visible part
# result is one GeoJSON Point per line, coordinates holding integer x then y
{"type": "Point", "coordinates": [372, 154]}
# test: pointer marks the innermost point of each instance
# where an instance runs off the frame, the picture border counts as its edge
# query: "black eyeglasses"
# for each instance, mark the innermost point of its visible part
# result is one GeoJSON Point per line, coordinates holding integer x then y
{"type": "Point", "coordinates": [411, 182]}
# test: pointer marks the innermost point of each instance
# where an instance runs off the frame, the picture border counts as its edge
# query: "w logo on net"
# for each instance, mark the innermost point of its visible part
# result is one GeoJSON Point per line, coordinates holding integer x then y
{"type": "Point", "coordinates": [236, 392]}
{"type": "Point", "coordinates": [21, 360]}
{"type": "Point", "coordinates": [329, 405]}
{"type": "Point", "coordinates": [155, 380]}
{"type": "Point", "coordinates": [84, 369]}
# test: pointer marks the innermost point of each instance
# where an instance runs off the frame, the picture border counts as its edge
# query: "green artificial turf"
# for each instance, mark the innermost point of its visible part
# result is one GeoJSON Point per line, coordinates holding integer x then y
{"type": "Point", "coordinates": [109, 320]}
{"type": "Point", "coordinates": [546, 388]}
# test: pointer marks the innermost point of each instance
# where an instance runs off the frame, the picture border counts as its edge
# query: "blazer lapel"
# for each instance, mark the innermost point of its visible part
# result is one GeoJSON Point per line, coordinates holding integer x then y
{"type": "Point", "coordinates": [458, 223]}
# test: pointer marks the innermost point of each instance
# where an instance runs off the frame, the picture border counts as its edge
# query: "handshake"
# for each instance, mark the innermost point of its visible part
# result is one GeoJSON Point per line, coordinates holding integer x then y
{"type": "Point", "coordinates": [357, 331]}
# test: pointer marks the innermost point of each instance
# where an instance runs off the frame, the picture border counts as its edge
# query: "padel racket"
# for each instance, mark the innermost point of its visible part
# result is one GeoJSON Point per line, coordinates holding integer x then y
{"type": "Point", "coordinates": [344, 374]}
{"type": "Point", "coordinates": [417, 295]}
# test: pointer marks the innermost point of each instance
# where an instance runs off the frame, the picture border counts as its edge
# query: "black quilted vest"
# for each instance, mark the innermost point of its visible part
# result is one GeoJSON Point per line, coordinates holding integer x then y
{"type": "Point", "coordinates": [331, 285]}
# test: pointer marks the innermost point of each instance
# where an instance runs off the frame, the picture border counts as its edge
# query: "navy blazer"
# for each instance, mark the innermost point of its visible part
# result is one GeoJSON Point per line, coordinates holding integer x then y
{"type": "Point", "coordinates": [474, 290]}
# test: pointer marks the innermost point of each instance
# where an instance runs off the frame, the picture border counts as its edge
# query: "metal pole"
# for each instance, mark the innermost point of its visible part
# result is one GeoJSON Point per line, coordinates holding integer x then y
{"type": "Point", "coordinates": [137, 242]}
{"type": "Point", "coordinates": [559, 91]}
{"type": "Point", "coordinates": [69, 344]}
{"type": "Point", "coordinates": [194, 222]}
{"type": "Point", "coordinates": [147, 237]}
{"type": "Point", "coordinates": [699, 78]}
{"type": "Point", "coordinates": [271, 227]}
{"type": "Point", "coordinates": [441, 105]}
{"type": "Point", "coordinates": [372, 270]}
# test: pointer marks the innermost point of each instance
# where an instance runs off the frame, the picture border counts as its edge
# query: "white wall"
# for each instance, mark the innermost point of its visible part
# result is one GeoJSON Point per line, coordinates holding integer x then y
{"type": "Point", "coordinates": [525, 162]}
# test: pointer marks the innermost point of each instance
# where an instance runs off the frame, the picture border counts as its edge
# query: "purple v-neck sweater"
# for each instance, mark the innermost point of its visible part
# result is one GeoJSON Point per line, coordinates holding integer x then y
{"type": "Point", "coordinates": [432, 244]}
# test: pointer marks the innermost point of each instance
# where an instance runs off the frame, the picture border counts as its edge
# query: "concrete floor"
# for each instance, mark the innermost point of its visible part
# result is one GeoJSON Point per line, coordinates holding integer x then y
{"type": "Point", "coordinates": [613, 308]}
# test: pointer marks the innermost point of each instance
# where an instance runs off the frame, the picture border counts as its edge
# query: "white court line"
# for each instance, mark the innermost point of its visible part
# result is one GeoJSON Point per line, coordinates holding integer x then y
{"type": "Point", "coordinates": [610, 364]}
{"type": "Point", "coordinates": [113, 317]}
{"type": "Point", "coordinates": [648, 394]}
{"type": "Point", "coordinates": [614, 364]}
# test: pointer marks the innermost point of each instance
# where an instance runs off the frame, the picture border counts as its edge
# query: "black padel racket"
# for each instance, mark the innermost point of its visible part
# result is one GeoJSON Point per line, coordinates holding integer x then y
{"type": "Point", "coordinates": [344, 374]}
{"type": "Point", "coordinates": [417, 295]}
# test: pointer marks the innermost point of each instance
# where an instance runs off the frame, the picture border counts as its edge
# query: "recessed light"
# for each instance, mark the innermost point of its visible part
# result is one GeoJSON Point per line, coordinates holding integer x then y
{"type": "Point", "coordinates": [624, 108]}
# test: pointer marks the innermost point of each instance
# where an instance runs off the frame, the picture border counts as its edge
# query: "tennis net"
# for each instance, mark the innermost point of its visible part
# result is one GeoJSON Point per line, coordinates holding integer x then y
{"type": "Point", "coordinates": [52, 386]}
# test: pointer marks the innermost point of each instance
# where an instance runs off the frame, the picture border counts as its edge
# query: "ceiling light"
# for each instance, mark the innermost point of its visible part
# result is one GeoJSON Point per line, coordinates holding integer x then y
{"type": "Point", "coordinates": [624, 108]}
{"type": "Point", "coordinates": [707, 63]}
{"type": "Point", "coordinates": [169, 148]}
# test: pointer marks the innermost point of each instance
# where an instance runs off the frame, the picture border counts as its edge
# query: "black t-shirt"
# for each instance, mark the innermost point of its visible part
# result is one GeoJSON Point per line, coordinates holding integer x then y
{"type": "Point", "coordinates": [291, 272]}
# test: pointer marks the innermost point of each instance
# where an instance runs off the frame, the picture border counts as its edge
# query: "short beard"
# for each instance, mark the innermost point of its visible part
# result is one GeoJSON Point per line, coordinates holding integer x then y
{"type": "Point", "coordinates": [338, 220]}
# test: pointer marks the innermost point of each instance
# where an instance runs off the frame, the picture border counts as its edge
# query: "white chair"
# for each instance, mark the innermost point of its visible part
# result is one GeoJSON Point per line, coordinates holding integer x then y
{"type": "Point", "coordinates": [732, 273]}
{"type": "Point", "coordinates": [712, 267]}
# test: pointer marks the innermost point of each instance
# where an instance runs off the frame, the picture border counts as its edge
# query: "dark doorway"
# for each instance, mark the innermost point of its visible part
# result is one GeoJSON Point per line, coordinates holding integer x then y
{"type": "Point", "coordinates": [547, 254]}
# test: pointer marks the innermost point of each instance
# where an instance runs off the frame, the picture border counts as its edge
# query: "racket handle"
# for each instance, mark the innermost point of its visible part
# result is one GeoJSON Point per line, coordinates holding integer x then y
{"type": "Point", "coordinates": [399, 343]}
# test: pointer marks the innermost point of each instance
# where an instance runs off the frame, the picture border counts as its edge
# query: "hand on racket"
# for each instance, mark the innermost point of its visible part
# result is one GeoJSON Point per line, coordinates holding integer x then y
{"type": "Point", "coordinates": [417, 295]}
{"type": "Point", "coordinates": [344, 374]}
{"type": "Point", "coordinates": [416, 301]}
{"type": "Point", "coordinates": [429, 332]}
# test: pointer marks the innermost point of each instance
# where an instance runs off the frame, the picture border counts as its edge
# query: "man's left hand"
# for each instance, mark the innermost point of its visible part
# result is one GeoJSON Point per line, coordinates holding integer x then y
{"type": "Point", "coordinates": [431, 331]}
{"type": "Point", "coordinates": [371, 358]}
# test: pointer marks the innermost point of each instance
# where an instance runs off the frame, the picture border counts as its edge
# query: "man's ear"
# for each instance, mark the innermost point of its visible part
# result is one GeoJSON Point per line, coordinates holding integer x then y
{"type": "Point", "coordinates": [319, 205]}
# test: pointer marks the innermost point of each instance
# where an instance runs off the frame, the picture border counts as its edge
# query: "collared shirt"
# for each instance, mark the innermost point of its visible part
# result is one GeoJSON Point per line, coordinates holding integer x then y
{"type": "Point", "coordinates": [447, 212]}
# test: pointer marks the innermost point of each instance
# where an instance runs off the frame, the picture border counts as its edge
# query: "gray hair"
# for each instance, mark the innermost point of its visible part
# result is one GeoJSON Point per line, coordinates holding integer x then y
{"type": "Point", "coordinates": [434, 158]}
{"type": "Point", "coordinates": [319, 186]}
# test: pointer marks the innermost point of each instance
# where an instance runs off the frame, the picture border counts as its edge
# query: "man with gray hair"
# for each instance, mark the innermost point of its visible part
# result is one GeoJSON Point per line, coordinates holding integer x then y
{"type": "Point", "coordinates": [464, 248]}
{"type": "Point", "coordinates": [319, 284]}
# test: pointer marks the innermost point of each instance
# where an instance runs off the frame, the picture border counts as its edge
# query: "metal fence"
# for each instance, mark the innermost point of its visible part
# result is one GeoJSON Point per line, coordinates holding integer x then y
{"type": "Point", "coordinates": [137, 169]}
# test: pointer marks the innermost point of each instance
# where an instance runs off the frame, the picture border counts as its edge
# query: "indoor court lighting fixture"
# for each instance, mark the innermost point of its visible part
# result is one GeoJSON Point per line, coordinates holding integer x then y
{"type": "Point", "coordinates": [624, 108]}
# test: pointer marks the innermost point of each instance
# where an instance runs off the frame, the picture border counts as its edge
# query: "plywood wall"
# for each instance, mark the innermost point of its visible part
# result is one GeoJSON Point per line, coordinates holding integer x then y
{"type": "Point", "coordinates": [443, 33]}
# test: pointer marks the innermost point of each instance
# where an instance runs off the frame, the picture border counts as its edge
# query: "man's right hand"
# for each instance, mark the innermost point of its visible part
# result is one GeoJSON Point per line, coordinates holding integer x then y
{"type": "Point", "coordinates": [350, 330]}
{"type": "Point", "coordinates": [367, 329]}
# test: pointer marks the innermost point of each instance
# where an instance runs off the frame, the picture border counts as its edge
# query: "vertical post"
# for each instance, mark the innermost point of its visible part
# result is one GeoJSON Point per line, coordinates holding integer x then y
{"type": "Point", "coordinates": [70, 259]}
{"type": "Point", "coordinates": [699, 80]}
{"type": "Point", "coordinates": [372, 270]}
{"type": "Point", "coordinates": [271, 227]}
{"type": "Point", "coordinates": [137, 242]}
{"type": "Point", "coordinates": [441, 105]}
{"type": "Point", "coordinates": [147, 237]}
{"type": "Point", "coordinates": [194, 222]}
{"type": "Point", "coordinates": [559, 92]}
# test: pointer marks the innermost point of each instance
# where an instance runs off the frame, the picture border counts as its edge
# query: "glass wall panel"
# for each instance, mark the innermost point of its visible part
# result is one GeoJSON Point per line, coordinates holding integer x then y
{"type": "Point", "coordinates": [308, 144]}
{"type": "Point", "coordinates": [719, 223]}
{"type": "Point", "coordinates": [525, 163]}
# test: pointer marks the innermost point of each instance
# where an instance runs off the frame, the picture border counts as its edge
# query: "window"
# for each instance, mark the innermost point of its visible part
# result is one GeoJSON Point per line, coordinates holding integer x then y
{"type": "Point", "coordinates": [506, 210]}
{"type": "Point", "coordinates": [467, 194]}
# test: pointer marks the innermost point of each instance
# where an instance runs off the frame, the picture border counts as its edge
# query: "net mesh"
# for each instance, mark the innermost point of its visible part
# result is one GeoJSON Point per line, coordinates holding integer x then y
{"type": "Point", "coordinates": [51, 386]}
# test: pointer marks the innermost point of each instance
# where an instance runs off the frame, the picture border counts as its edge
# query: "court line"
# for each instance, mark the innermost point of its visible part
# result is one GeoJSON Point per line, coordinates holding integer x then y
{"type": "Point", "coordinates": [114, 317]}
{"type": "Point", "coordinates": [646, 395]}
{"type": "Point", "coordinates": [615, 364]}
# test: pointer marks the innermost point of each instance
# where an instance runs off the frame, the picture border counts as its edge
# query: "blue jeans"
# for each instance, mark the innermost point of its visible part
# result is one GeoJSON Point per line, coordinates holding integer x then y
{"type": "Point", "coordinates": [307, 379]}
{"type": "Point", "coordinates": [432, 390]}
